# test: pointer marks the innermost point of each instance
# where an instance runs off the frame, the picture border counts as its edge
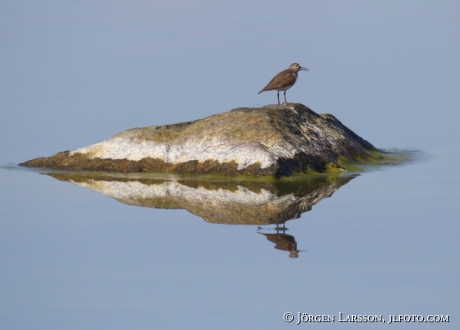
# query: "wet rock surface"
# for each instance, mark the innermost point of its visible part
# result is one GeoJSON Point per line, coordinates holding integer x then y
{"type": "Point", "coordinates": [275, 140]}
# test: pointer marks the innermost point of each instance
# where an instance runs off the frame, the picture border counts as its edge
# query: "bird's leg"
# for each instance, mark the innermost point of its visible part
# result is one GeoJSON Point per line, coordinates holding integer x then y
{"type": "Point", "coordinates": [285, 102]}
{"type": "Point", "coordinates": [278, 94]}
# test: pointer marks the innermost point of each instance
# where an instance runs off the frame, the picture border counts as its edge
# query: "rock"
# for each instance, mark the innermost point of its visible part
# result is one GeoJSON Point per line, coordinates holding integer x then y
{"type": "Point", "coordinates": [217, 200]}
{"type": "Point", "coordinates": [275, 140]}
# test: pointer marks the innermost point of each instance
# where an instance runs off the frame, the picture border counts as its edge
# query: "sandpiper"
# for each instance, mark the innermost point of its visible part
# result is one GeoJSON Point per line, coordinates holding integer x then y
{"type": "Point", "coordinates": [284, 80]}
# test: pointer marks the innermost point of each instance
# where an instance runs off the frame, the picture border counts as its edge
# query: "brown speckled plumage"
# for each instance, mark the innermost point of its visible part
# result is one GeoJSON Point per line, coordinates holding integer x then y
{"type": "Point", "coordinates": [284, 80]}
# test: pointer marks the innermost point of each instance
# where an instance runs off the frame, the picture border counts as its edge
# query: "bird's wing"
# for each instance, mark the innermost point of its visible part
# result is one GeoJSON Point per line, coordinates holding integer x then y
{"type": "Point", "coordinates": [282, 79]}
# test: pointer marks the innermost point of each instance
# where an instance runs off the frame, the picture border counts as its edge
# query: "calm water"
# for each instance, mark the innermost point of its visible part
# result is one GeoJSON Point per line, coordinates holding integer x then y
{"type": "Point", "coordinates": [108, 252]}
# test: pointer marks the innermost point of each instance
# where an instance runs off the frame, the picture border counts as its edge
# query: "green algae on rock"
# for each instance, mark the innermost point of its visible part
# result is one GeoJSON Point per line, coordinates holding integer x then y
{"type": "Point", "coordinates": [275, 140]}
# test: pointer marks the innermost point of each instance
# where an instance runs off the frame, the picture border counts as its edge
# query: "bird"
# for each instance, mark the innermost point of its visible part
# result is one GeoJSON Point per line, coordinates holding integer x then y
{"type": "Point", "coordinates": [284, 80]}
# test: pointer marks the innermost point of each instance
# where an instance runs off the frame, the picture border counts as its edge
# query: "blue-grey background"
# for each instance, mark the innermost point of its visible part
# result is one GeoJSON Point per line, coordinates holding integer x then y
{"type": "Point", "coordinates": [77, 72]}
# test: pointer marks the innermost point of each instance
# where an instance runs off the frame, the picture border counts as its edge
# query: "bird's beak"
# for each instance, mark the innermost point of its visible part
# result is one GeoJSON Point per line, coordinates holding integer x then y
{"type": "Point", "coordinates": [304, 69]}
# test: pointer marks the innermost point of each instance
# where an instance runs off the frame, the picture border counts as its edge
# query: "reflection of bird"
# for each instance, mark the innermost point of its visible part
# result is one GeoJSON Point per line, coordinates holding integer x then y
{"type": "Point", "coordinates": [284, 80]}
{"type": "Point", "coordinates": [283, 241]}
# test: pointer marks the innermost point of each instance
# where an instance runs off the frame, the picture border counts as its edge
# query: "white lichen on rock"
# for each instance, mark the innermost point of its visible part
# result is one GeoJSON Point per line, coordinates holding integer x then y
{"type": "Point", "coordinates": [134, 149]}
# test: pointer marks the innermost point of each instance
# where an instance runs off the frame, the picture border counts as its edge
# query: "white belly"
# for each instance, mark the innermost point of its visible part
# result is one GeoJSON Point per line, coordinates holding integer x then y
{"type": "Point", "coordinates": [284, 88]}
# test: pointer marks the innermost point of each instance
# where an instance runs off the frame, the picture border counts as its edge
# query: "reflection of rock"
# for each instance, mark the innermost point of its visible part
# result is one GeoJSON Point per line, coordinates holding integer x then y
{"type": "Point", "coordinates": [220, 200]}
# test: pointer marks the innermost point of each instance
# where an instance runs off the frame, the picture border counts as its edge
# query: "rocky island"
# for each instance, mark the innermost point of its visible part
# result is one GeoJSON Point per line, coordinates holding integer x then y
{"type": "Point", "coordinates": [274, 140]}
